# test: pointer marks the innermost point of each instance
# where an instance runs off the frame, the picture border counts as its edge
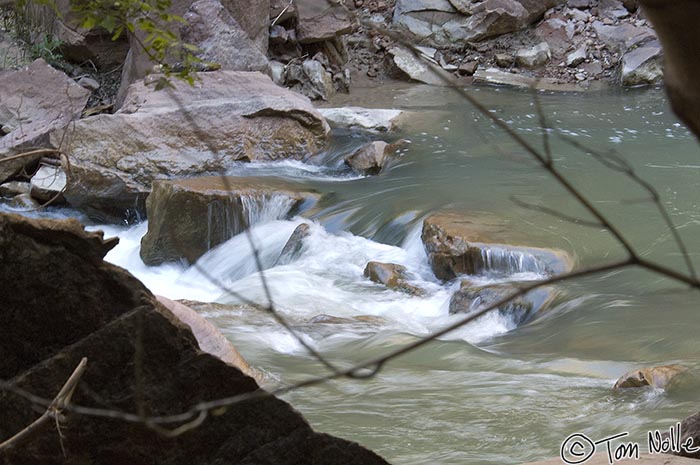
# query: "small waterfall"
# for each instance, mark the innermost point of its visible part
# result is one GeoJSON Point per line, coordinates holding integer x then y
{"type": "Point", "coordinates": [511, 261]}
{"type": "Point", "coordinates": [227, 218]}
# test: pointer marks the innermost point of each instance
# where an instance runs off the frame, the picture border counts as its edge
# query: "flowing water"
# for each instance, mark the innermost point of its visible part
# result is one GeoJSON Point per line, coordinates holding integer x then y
{"type": "Point", "coordinates": [499, 390]}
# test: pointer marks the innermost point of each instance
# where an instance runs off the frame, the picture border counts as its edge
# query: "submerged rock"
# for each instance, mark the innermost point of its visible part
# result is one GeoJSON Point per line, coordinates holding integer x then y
{"type": "Point", "coordinates": [457, 244]}
{"type": "Point", "coordinates": [167, 373]}
{"type": "Point", "coordinates": [659, 377]}
{"type": "Point", "coordinates": [520, 310]}
{"type": "Point", "coordinates": [185, 131]}
{"type": "Point", "coordinates": [188, 217]}
{"type": "Point", "coordinates": [34, 101]}
{"type": "Point", "coordinates": [392, 276]}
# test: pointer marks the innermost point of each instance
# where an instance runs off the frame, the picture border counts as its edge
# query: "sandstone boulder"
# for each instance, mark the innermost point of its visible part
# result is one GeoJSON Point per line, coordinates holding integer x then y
{"type": "Point", "coordinates": [661, 377]}
{"type": "Point", "coordinates": [371, 119]}
{"type": "Point", "coordinates": [391, 275]}
{"type": "Point", "coordinates": [533, 57]}
{"type": "Point", "coordinates": [292, 248]}
{"type": "Point", "coordinates": [457, 244]}
{"type": "Point", "coordinates": [185, 131]}
{"type": "Point", "coordinates": [188, 217]}
{"type": "Point", "coordinates": [34, 101]}
{"type": "Point", "coordinates": [66, 303]}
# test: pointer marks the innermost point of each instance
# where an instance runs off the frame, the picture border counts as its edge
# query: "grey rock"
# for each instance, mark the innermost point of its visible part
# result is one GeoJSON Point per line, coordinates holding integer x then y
{"type": "Point", "coordinates": [580, 4]}
{"type": "Point", "coordinates": [88, 83]}
{"type": "Point", "coordinates": [24, 202]}
{"type": "Point", "coordinates": [576, 57]}
{"type": "Point", "coordinates": [369, 159]}
{"type": "Point", "coordinates": [533, 57]}
{"type": "Point", "coordinates": [34, 101]}
{"type": "Point", "coordinates": [468, 68]}
{"type": "Point", "coordinates": [642, 66]}
{"type": "Point", "coordinates": [294, 245]}
{"type": "Point", "coordinates": [318, 83]}
{"type": "Point", "coordinates": [417, 69]}
{"type": "Point", "coordinates": [504, 60]}
{"type": "Point", "coordinates": [557, 33]}
{"type": "Point", "coordinates": [371, 119]}
{"type": "Point", "coordinates": [278, 35]}
{"type": "Point", "coordinates": [320, 20]}
{"type": "Point", "coordinates": [48, 182]}
{"type": "Point", "coordinates": [660, 377]}
{"type": "Point", "coordinates": [277, 72]}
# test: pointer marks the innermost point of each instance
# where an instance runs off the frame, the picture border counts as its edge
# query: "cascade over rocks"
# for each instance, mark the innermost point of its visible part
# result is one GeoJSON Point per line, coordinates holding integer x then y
{"type": "Point", "coordinates": [54, 326]}
{"type": "Point", "coordinates": [185, 131]}
{"type": "Point", "coordinates": [188, 217]}
{"type": "Point", "coordinates": [34, 101]}
{"type": "Point", "coordinates": [457, 244]}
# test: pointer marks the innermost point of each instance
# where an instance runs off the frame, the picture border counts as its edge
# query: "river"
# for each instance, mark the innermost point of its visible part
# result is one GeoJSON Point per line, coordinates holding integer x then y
{"type": "Point", "coordinates": [490, 392]}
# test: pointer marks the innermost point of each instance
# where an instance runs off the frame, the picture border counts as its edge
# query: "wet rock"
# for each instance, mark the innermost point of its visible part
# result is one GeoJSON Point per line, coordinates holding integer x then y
{"type": "Point", "coordinates": [48, 182]}
{"type": "Point", "coordinates": [557, 33]}
{"type": "Point", "coordinates": [533, 57]}
{"type": "Point", "coordinates": [188, 217]}
{"type": "Point", "coordinates": [417, 69]}
{"type": "Point", "coordinates": [371, 119]}
{"type": "Point", "coordinates": [690, 428]}
{"type": "Point", "coordinates": [642, 66]}
{"type": "Point", "coordinates": [371, 158]}
{"type": "Point", "coordinates": [457, 244]}
{"type": "Point", "coordinates": [215, 32]}
{"type": "Point", "coordinates": [311, 79]}
{"type": "Point", "coordinates": [24, 202]}
{"type": "Point", "coordinates": [580, 4]}
{"type": "Point", "coordinates": [320, 20]}
{"type": "Point", "coordinates": [661, 377]}
{"type": "Point", "coordinates": [392, 276]}
{"type": "Point", "coordinates": [292, 248]}
{"type": "Point", "coordinates": [13, 188]}
{"type": "Point", "coordinates": [185, 131]}
{"type": "Point", "coordinates": [520, 310]}
{"type": "Point", "coordinates": [53, 329]}
{"type": "Point", "coordinates": [576, 57]}
{"type": "Point", "coordinates": [34, 101]}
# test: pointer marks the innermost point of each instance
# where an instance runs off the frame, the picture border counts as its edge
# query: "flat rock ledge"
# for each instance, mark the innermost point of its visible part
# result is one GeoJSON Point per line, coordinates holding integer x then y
{"type": "Point", "coordinates": [65, 303]}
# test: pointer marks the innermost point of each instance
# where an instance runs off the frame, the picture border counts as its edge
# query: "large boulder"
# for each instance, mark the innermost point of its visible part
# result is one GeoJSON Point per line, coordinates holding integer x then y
{"type": "Point", "coordinates": [320, 20]}
{"type": "Point", "coordinates": [216, 28]}
{"type": "Point", "coordinates": [34, 101]}
{"type": "Point", "coordinates": [457, 244]}
{"type": "Point", "coordinates": [66, 303]}
{"type": "Point", "coordinates": [185, 131]}
{"type": "Point", "coordinates": [188, 217]}
{"type": "Point", "coordinates": [642, 66]}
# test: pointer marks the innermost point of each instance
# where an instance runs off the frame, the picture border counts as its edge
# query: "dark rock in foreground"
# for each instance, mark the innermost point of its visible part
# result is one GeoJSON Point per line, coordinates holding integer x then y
{"type": "Point", "coordinates": [62, 302]}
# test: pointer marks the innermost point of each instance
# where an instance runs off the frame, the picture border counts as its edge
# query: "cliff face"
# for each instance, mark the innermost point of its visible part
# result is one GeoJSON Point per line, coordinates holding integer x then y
{"type": "Point", "coordinates": [61, 302]}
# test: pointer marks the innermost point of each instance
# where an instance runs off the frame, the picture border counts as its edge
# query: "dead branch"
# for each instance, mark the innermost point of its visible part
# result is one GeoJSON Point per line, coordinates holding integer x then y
{"type": "Point", "coordinates": [53, 411]}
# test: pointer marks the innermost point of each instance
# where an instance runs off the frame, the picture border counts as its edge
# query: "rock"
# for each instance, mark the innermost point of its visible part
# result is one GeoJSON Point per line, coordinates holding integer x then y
{"type": "Point", "coordinates": [321, 20]}
{"type": "Point", "coordinates": [111, 316]}
{"type": "Point", "coordinates": [185, 131]}
{"type": "Point", "coordinates": [557, 33]}
{"type": "Point", "coordinates": [623, 36]}
{"type": "Point", "coordinates": [495, 76]}
{"type": "Point", "coordinates": [427, 19]}
{"type": "Point", "coordinates": [241, 26]}
{"type": "Point", "coordinates": [371, 119]}
{"type": "Point", "coordinates": [468, 68]}
{"type": "Point", "coordinates": [209, 338]}
{"type": "Point", "coordinates": [188, 217]}
{"type": "Point", "coordinates": [465, 7]}
{"type": "Point", "coordinates": [371, 158]}
{"type": "Point", "coordinates": [215, 32]}
{"type": "Point", "coordinates": [24, 202]}
{"type": "Point", "coordinates": [661, 377]}
{"type": "Point", "coordinates": [282, 11]}
{"type": "Point", "coordinates": [34, 101]}
{"type": "Point", "coordinates": [642, 66]}
{"type": "Point", "coordinates": [292, 248]}
{"type": "Point", "coordinates": [631, 5]}
{"type": "Point", "coordinates": [457, 244]}
{"type": "Point", "coordinates": [48, 182]}
{"type": "Point", "coordinates": [533, 57]}
{"type": "Point", "coordinates": [13, 188]}
{"type": "Point", "coordinates": [504, 60]}
{"type": "Point", "coordinates": [417, 69]}
{"type": "Point", "coordinates": [278, 35]}
{"type": "Point", "coordinates": [690, 428]}
{"type": "Point", "coordinates": [277, 72]}
{"type": "Point", "coordinates": [576, 57]}
{"type": "Point", "coordinates": [580, 4]}
{"type": "Point", "coordinates": [88, 83]}
{"type": "Point", "coordinates": [520, 310]}
{"type": "Point", "coordinates": [393, 276]}
{"type": "Point", "coordinates": [612, 9]}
